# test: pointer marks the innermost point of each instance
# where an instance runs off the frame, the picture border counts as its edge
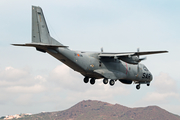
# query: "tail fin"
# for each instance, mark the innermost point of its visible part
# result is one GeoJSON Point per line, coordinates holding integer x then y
{"type": "Point", "coordinates": [40, 32]}
{"type": "Point", "coordinates": [41, 38]}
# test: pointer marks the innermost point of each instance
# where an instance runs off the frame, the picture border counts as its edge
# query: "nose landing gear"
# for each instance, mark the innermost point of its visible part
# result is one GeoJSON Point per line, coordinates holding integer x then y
{"type": "Point", "coordinates": [139, 83]}
{"type": "Point", "coordinates": [138, 86]}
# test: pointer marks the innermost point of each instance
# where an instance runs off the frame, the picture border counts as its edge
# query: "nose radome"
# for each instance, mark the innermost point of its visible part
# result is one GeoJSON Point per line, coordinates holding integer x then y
{"type": "Point", "coordinates": [151, 78]}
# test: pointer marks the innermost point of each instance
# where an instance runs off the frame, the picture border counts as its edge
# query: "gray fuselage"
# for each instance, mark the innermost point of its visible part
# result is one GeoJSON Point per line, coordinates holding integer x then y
{"type": "Point", "coordinates": [88, 63]}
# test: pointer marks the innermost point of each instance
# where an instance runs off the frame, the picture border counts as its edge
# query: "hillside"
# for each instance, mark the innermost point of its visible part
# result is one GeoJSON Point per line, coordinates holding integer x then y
{"type": "Point", "coordinates": [97, 110]}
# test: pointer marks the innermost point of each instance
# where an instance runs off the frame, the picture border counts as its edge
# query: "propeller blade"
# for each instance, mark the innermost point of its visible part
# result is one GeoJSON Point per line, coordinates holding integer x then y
{"type": "Point", "coordinates": [138, 62]}
{"type": "Point", "coordinates": [140, 59]}
{"type": "Point", "coordinates": [102, 49]}
{"type": "Point", "coordinates": [137, 49]}
{"type": "Point", "coordinates": [137, 52]}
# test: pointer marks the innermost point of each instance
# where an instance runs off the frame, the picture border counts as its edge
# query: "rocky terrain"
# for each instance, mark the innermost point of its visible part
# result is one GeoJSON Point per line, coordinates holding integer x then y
{"type": "Point", "coordinates": [97, 110]}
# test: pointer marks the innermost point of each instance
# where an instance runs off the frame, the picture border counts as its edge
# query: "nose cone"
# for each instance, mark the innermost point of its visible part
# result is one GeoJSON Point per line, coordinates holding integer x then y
{"type": "Point", "coordinates": [146, 73]}
{"type": "Point", "coordinates": [151, 76]}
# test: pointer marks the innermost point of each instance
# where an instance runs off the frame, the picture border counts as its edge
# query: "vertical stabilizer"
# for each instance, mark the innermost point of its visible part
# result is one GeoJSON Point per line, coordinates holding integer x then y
{"type": "Point", "coordinates": [40, 32]}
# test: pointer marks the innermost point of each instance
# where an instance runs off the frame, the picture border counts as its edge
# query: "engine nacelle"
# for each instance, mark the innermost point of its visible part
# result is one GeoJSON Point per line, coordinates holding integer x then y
{"type": "Point", "coordinates": [130, 59]}
{"type": "Point", "coordinates": [126, 81]}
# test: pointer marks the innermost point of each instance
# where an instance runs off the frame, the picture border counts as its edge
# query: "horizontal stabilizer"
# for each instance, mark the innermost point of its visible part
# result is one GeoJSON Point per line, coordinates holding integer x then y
{"type": "Point", "coordinates": [39, 45]}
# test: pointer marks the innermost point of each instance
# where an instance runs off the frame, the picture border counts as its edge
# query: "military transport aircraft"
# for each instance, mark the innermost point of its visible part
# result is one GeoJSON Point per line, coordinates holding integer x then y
{"type": "Point", "coordinates": [123, 66]}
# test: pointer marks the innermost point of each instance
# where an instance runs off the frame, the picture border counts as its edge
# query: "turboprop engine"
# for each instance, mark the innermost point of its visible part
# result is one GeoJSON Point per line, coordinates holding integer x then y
{"type": "Point", "coordinates": [132, 59]}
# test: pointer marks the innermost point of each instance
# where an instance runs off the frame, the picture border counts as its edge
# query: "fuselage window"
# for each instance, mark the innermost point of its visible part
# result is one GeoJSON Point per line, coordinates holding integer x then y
{"type": "Point", "coordinates": [145, 68]}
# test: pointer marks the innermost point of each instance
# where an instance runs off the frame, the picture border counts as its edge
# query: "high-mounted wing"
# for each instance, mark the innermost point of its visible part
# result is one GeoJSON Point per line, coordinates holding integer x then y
{"type": "Point", "coordinates": [115, 54]}
{"type": "Point", "coordinates": [149, 52]}
{"type": "Point", "coordinates": [129, 57]}
{"type": "Point", "coordinates": [129, 54]}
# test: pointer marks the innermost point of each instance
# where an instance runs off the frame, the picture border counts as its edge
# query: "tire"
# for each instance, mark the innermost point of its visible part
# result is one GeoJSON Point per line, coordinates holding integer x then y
{"type": "Point", "coordinates": [86, 80]}
{"type": "Point", "coordinates": [137, 87]}
{"type": "Point", "coordinates": [105, 80]}
{"type": "Point", "coordinates": [111, 82]}
{"type": "Point", "coordinates": [92, 81]}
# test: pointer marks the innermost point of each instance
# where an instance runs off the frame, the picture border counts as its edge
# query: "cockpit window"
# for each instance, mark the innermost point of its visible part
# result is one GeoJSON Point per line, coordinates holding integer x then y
{"type": "Point", "coordinates": [145, 68]}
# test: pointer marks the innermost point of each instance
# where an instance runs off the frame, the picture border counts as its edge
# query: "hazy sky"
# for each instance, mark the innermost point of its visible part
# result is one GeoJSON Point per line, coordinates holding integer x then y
{"type": "Point", "coordinates": [32, 82]}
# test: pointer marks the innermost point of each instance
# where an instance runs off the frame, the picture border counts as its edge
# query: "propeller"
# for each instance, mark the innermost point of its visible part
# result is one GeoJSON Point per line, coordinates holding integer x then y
{"type": "Point", "coordinates": [140, 59]}
{"type": "Point", "coordinates": [138, 52]}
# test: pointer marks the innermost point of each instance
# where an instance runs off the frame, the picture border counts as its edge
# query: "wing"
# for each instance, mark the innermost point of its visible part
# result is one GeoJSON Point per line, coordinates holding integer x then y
{"type": "Point", "coordinates": [129, 54]}
{"type": "Point", "coordinates": [129, 57]}
{"type": "Point", "coordinates": [149, 52]}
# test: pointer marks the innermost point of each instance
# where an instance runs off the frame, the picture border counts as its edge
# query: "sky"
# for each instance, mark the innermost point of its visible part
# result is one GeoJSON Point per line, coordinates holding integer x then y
{"type": "Point", "coordinates": [32, 82]}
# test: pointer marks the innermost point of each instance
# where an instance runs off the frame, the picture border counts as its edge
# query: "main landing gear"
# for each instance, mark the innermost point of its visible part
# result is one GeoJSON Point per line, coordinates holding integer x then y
{"type": "Point", "coordinates": [86, 80]}
{"type": "Point", "coordinates": [112, 82]}
{"type": "Point", "coordinates": [105, 81]}
{"type": "Point", "coordinates": [92, 80]}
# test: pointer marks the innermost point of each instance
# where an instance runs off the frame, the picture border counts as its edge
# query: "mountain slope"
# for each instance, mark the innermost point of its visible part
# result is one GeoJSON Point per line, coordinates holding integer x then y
{"type": "Point", "coordinates": [96, 110]}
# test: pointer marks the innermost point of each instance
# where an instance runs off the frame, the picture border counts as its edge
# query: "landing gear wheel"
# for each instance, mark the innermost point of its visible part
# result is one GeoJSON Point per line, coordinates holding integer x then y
{"type": "Point", "coordinates": [137, 87]}
{"type": "Point", "coordinates": [111, 82]}
{"type": "Point", "coordinates": [86, 80]}
{"type": "Point", "coordinates": [92, 81]}
{"type": "Point", "coordinates": [105, 80]}
{"type": "Point", "coordinates": [148, 84]}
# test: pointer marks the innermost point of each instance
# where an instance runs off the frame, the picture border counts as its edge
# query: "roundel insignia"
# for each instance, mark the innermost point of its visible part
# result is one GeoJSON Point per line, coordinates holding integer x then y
{"type": "Point", "coordinates": [92, 65]}
{"type": "Point", "coordinates": [78, 55]}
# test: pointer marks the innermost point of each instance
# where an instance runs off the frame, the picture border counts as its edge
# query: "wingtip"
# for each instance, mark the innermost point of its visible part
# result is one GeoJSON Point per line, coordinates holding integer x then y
{"type": "Point", "coordinates": [13, 44]}
{"type": "Point", "coordinates": [165, 51]}
{"type": "Point", "coordinates": [18, 44]}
